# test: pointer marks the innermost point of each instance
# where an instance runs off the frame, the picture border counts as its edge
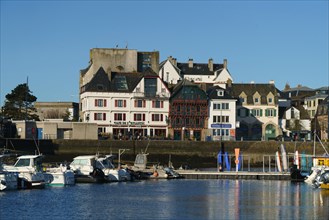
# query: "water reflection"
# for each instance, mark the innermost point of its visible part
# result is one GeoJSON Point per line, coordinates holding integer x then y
{"type": "Point", "coordinates": [176, 199]}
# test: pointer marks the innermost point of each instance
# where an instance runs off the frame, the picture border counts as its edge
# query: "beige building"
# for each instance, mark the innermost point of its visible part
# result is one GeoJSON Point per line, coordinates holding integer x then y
{"type": "Point", "coordinates": [56, 129]}
{"type": "Point", "coordinates": [57, 110]}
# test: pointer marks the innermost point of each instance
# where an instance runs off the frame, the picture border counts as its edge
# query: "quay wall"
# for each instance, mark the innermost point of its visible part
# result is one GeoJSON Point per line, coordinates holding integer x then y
{"type": "Point", "coordinates": [194, 153]}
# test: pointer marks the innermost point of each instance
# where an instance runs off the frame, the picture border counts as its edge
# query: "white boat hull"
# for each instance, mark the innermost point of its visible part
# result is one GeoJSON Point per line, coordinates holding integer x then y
{"type": "Point", "coordinates": [8, 181]}
{"type": "Point", "coordinates": [60, 178]}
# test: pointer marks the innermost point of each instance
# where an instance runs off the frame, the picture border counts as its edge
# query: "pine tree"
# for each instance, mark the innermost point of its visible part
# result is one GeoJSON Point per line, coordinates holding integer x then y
{"type": "Point", "coordinates": [19, 104]}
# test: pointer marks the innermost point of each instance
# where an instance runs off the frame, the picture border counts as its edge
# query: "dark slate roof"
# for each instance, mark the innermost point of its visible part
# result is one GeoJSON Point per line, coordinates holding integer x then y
{"type": "Point", "coordinates": [186, 83]}
{"type": "Point", "coordinates": [120, 82]}
{"type": "Point", "coordinates": [296, 94]}
{"type": "Point", "coordinates": [303, 113]}
{"type": "Point", "coordinates": [212, 93]}
{"type": "Point", "coordinates": [250, 89]}
{"type": "Point", "coordinates": [198, 68]}
{"type": "Point", "coordinates": [99, 83]}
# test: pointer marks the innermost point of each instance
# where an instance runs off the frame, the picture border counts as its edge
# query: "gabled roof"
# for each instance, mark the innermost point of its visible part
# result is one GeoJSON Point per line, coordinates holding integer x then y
{"type": "Point", "coordinates": [212, 93]}
{"type": "Point", "coordinates": [99, 83]}
{"type": "Point", "coordinates": [120, 82]}
{"type": "Point", "coordinates": [168, 60]}
{"type": "Point", "coordinates": [198, 68]}
{"type": "Point", "coordinates": [303, 114]}
{"type": "Point", "coordinates": [186, 83]}
{"type": "Point", "coordinates": [117, 81]}
{"type": "Point", "coordinates": [250, 89]}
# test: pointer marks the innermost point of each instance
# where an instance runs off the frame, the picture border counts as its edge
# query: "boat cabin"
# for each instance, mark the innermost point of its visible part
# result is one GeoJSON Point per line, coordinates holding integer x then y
{"type": "Point", "coordinates": [30, 161]}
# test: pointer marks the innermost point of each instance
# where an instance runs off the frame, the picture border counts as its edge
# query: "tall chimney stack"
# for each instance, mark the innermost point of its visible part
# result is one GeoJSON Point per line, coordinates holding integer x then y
{"type": "Point", "coordinates": [211, 65]}
{"type": "Point", "coordinates": [225, 63]}
{"type": "Point", "coordinates": [190, 63]}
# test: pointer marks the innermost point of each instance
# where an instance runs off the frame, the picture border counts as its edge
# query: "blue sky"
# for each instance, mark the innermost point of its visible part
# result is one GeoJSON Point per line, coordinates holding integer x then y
{"type": "Point", "coordinates": [49, 41]}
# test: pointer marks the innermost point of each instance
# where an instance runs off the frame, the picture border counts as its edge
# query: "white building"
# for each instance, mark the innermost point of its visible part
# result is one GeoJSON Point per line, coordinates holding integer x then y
{"type": "Point", "coordinates": [222, 114]}
{"type": "Point", "coordinates": [296, 121]}
{"type": "Point", "coordinates": [200, 73]}
{"type": "Point", "coordinates": [126, 105]}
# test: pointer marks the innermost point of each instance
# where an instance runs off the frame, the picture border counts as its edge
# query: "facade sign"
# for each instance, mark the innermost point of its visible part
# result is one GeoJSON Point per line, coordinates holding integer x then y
{"type": "Point", "coordinates": [133, 123]}
{"type": "Point", "coordinates": [221, 126]}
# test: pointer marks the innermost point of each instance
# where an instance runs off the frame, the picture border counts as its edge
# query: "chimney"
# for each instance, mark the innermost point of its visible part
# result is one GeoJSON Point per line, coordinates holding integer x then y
{"type": "Point", "coordinates": [174, 61]}
{"type": "Point", "coordinates": [225, 63]}
{"type": "Point", "coordinates": [229, 83]}
{"type": "Point", "coordinates": [190, 63]}
{"type": "Point", "coordinates": [211, 65]}
{"type": "Point", "coordinates": [271, 82]}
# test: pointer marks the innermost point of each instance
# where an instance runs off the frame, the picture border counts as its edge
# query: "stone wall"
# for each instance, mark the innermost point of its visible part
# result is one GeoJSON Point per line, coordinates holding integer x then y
{"type": "Point", "coordinates": [194, 153]}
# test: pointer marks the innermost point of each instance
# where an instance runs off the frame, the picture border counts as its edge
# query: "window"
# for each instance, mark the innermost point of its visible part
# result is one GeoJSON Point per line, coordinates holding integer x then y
{"type": "Point", "coordinates": [256, 100]}
{"type": "Point", "coordinates": [120, 103]}
{"type": "Point", "coordinates": [257, 112]}
{"type": "Point", "coordinates": [178, 108]}
{"type": "Point", "coordinates": [216, 106]}
{"type": "Point", "coordinates": [219, 106]}
{"type": "Point", "coordinates": [157, 104]}
{"type": "Point", "coordinates": [140, 103]}
{"type": "Point", "coordinates": [157, 117]}
{"type": "Point", "coordinates": [187, 121]}
{"type": "Point", "coordinates": [150, 87]}
{"type": "Point", "coordinates": [220, 92]}
{"type": "Point", "coordinates": [270, 112]}
{"type": "Point", "coordinates": [100, 102]}
{"type": "Point", "coordinates": [220, 119]}
{"type": "Point", "coordinates": [139, 117]}
{"type": "Point", "coordinates": [119, 116]}
{"type": "Point", "coordinates": [225, 106]}
{"type": "Point", "coordinates": [270, 100]}
{"type": "Point", "coordinates": [99, 116]}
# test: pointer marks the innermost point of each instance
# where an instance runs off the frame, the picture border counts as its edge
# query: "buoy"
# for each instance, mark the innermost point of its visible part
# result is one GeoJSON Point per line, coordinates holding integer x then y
{"type": "Point", "coordinates": [155, 174]}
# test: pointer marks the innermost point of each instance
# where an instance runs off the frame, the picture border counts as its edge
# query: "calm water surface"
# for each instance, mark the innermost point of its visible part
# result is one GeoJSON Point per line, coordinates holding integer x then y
{"type": "Point", "coordinates": [173, 199]}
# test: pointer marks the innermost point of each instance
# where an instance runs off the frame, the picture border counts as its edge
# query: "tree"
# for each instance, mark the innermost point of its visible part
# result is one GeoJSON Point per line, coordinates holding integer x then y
{"type": "Point", "coordinates": [19, 104]}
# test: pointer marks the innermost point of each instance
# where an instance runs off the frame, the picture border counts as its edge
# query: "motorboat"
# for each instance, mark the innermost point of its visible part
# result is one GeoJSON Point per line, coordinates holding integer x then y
{"type": "Point", "coordinates": [105, 163]}
{"type": "Point", "coordinates": [319, 177]}
{"type": "Point", "coordinates": [59, 176]}
{"type": "Point", "coordinates": [85, 170]}
{"type": "Point", "coordinates": [155, 171]}
{"type": "Point", "coordinates": [29, 169]}
{"type": "Point", "coordinates": [8, 180]}
{"type": "Point", "coordinates": [322, 179]}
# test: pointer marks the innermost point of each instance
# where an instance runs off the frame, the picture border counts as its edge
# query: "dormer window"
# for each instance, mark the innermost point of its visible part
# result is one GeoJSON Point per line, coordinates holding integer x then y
{"type": "Point", "coordinates": [220, 93]}
{"type": "Point", "coordinates": [256, 98]}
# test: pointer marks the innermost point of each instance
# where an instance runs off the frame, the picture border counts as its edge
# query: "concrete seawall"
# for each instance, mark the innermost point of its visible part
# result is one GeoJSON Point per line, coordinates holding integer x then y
{"type": "Point", "coordinates": [194, 153]}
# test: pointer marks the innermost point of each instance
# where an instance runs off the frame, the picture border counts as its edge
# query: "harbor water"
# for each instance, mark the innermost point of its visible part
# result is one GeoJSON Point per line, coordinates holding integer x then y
{"type": "Point", "coordinates": [169, 199]}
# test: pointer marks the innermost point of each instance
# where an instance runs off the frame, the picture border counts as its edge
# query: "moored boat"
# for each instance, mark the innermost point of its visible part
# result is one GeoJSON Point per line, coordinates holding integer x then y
{"type": "Point", "coordinates": [85, 170]}
{"type": "Point", "coordinates": [8, 180]}
{"type": "Point", "coordinates": [111, 174]}
{"type": "Point", "coordinates": [59, 176]}
{"type": "Point", "coordinates": [29, 169]}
